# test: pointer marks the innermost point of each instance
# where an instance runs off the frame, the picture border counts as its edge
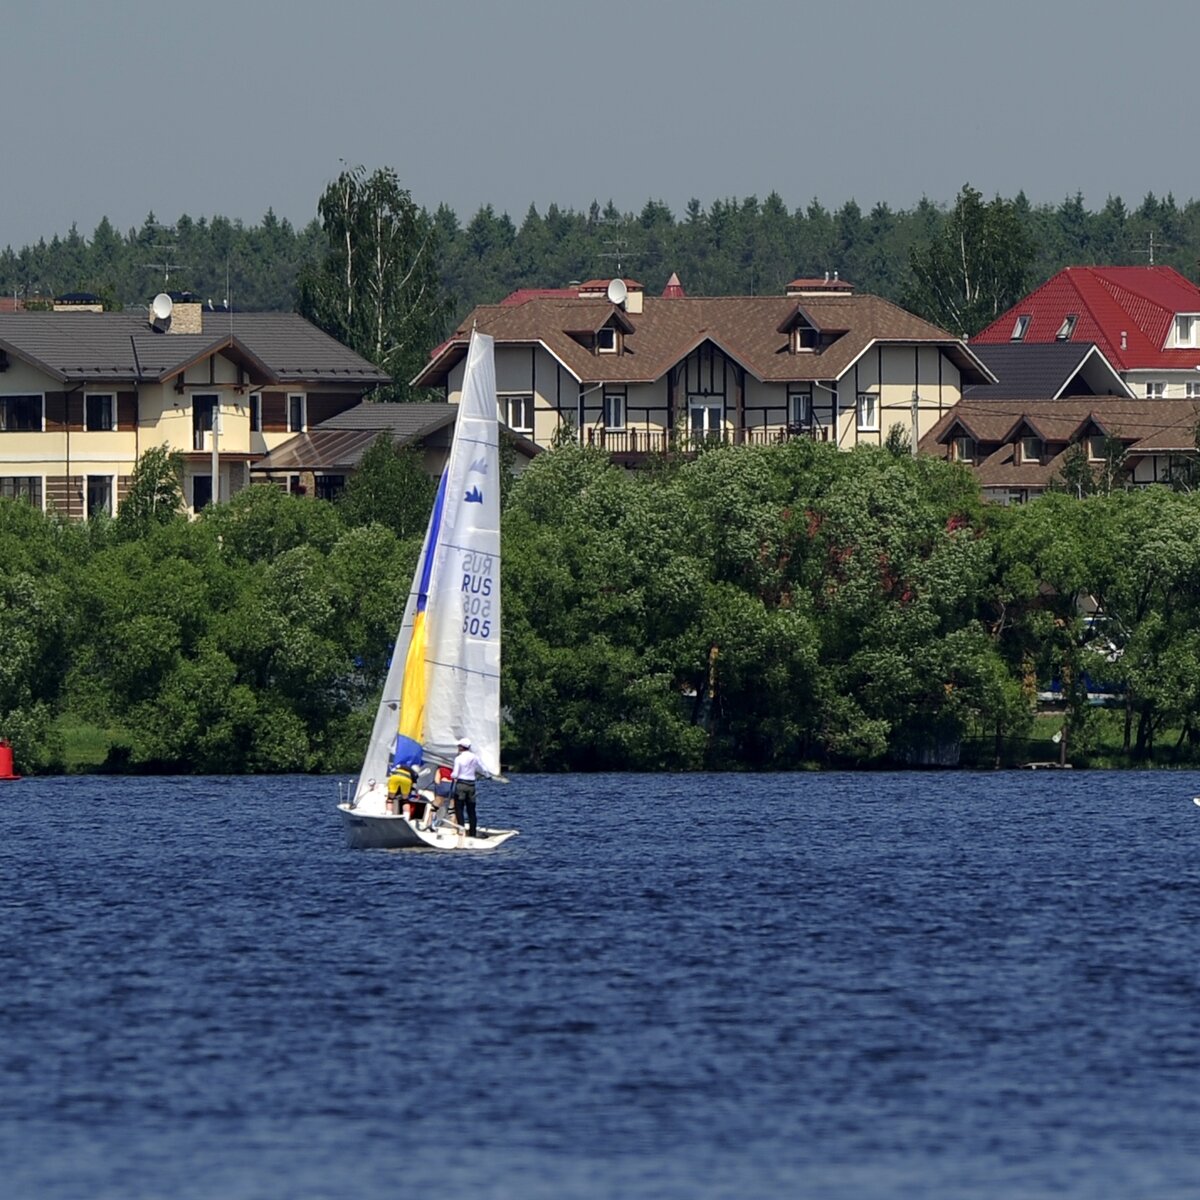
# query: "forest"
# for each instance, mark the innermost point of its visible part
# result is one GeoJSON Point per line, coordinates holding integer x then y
{"type": "Point", "coordinates": [772, 607]}
{"type": "Point", "coordinates": [733, 247]}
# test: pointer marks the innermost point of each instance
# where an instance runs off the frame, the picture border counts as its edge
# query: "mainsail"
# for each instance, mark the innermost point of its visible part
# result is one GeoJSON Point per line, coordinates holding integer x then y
{"type": "Point", "coordinates": [443, 683]}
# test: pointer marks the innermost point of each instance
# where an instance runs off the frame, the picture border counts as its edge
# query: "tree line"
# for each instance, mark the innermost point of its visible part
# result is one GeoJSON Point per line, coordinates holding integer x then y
{"type": "Point", "coordinates": [420, 271]}
{"type": "Point", "coordinates": [751, 607]}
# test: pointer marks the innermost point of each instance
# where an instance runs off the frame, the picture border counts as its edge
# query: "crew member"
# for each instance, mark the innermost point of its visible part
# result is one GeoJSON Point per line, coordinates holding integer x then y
{"type": "Point", "coordinates": [464, 772]}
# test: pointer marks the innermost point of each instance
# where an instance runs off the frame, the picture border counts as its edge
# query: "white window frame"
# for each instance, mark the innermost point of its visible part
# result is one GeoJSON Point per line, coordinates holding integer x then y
{"type": "Point", "coordinates": [1067, 328]}
{"type": "Point", "coordinates": [799, 333]}
{"type": "Point", "coordinates": [711, 414]}
{"type": "Point", "coordinates": [614, 410]}
{"type": "Point", "coordinates": [112, 411]}
{"type": "Point", "coordinates": [1191, 389]}
{"type": "Point", "coordinates": [1028, 441]}
{"type": "Point", "coordinates": [303, 398]}
{"type": "Point", "coordinates": [112, 493]}
{"type": "Point", "coordinates": [866, 411]}
{"type": "Point", "coordinates": [607, 340]}
{"type": "Point", "coordinates": [40, 396]}
{"type": "Point", "coordinates": [1095, 447]}
{"type": "Point", "coordinates": [254, 411]}
{"type": "Point", "coordinates": [1020, 328]}
{"type": "Point", "coordinates": [1156, 389]}
{"type": "Point", "coordinates": [1186, 321]}
{"type": "Point", "coordinates": [963, 448]}
{"type": "Point", "coordinates": [800, 409]}
{"type": "Point", "coordinates": [517, 420]}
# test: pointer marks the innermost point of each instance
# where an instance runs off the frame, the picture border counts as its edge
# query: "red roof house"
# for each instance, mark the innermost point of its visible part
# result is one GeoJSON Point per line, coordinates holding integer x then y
{"type": "Point", "coordinates": [1142, 318]}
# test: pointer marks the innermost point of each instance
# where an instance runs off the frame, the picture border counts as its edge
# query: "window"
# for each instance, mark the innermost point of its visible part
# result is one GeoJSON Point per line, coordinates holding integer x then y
{"type": "Point", "coordinates": [1185, 330]}
{"type": "Point", "coordinates": [203, 408]}
{"type": "Point", "coordinates": [804, 338]}
{"type": "Point", "coordinates": [520, 413]}
{"type": "Point", "coordinates": [614, 410]}
{"type": "Point", "coordinates": [1155, 390]}
{"type": "Point", "coordinates": [329, 487]}
{"type": "Point", "coordinates": [99, 495]}
{"type": "Point", "coordinates": [1192, 390]}
{"type": "Point", "coordinates": [606, 340]}
{"type": "Point", "coordinates": [22, 487]}
{"type": "Point", "coordinates": [1067, 327]}
{"type": "Point", "coordinates": [20, 414]}
{"type": "Point", "coordinates": [256, 412]}
{"type": "Point", "coordinates": [201, 491]}
{"type": "Point", "coordinates": [1095, 447]}
{"type": "Point", "coordinates": [1020, 328]}
{"type": "Point", "coordinates": [99, 411]}
{"type": "Point", "coordinates": [1031, 449]}
{"type": "Point", "coordinates": [296, 413]}
{"type": "Point", "coordinates": [800, 409]}
{"type": "Point", "coordinates": [962, 449]}
{"type": "Point", "coordinates": [868, 411]}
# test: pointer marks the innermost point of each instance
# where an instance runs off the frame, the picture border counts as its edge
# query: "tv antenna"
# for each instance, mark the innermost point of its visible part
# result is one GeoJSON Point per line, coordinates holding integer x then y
{"type": "Point", "coordinates": [1161, 246]}
{"type": "Point", "coordinates": [620, 249]}
{"type": "Point", "coordinates": [166, 266]}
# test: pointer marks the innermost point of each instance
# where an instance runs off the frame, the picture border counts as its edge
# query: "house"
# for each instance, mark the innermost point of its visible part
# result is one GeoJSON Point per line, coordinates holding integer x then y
{"type": "Point", "coordinates": [639, 375]}
{"type": "Point", "coordinates": [83, 393]}
{"type": "Point", "coordinates": [1144, 320]}
{"type": "Point", "coordinates": [1050, 397]}
{"type": "Point", "coordinates": [1016, 435]}
{"type": "Point", "coordinates": [319, 461]}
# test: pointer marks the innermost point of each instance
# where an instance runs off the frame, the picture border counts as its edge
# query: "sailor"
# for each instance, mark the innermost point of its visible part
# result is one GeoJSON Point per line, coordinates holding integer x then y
{"type": "Point", "coordinates": [467, 767]}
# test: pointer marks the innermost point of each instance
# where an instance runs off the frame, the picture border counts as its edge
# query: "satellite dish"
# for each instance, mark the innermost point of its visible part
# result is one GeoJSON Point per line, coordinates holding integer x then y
{"type": "Point", "coordinates": [617, 291]}
{"type": "Point", "coordinates": [161, 306]}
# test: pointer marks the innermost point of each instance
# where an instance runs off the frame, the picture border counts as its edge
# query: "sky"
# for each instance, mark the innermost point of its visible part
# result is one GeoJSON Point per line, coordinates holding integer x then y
{"type": "Point", "coordinates": [120, 108]}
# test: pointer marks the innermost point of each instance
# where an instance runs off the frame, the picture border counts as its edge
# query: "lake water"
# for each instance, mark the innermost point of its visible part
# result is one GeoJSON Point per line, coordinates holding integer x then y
{"type": "Point", "coordinates": [876, 985]}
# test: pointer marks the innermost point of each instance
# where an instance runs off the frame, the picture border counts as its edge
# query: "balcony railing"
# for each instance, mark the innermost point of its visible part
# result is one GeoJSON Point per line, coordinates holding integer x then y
{"type": "Point", "coordinates": [685, 441]}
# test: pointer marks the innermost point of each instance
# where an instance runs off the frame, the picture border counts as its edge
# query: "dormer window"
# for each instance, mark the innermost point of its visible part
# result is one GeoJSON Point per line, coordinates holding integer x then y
{"type": "Point", "coordinates": [1185, 329]}
{"type": "Point", "coordinates": [606, 340]}
{"type": "Point", "coordinates": [804, 339]}
{"type": "Point", "coordinates": [962, 449]}
{"type": "Point", "coordinates": [1067, 327]}
{"type": "Point", "coordinates": [1021, 328]}
{"type": "Point", "coordinates": [1032, 449]}
{"type": "Point", "coordinates": [1095, 447]}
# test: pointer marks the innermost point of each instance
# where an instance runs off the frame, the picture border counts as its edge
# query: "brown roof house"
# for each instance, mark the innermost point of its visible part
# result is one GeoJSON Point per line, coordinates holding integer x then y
{"type": "Point", "coordinates": [638, 374]}
{"type": "Point", "coordinates": [319, 461]}
{"type": "Point", "coordinates": [83, 393]}
{"type": "Point", "coordinates": [1051, 401]}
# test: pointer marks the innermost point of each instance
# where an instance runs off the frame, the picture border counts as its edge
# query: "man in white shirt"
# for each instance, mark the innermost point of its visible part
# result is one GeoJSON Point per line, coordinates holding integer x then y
{"type": "Point", "coordinates": [464, 772]}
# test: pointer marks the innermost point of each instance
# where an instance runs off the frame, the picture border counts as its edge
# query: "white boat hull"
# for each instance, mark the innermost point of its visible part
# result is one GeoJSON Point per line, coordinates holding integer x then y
{"type": "Point", "coordinates": [390, 831]}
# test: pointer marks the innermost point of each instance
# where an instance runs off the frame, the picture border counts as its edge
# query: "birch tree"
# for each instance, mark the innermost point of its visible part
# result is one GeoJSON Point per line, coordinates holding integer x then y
{"type": "Point", "coordinates": [377, 287]}
{"type": "Point", "coordinates": [976, 267]}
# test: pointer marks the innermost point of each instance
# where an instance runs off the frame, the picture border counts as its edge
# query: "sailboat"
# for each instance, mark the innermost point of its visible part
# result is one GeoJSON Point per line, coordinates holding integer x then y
{"type": "Point", "coordinates": [443, 683]}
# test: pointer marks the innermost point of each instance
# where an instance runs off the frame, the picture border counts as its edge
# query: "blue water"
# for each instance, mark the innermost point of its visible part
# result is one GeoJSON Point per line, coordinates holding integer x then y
{"type": "Point", "coordinates": [832, 985]}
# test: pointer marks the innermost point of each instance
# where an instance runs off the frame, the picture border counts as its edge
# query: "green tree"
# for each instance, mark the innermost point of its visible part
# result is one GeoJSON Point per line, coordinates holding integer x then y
{"type": "Point", "coordinates": [155, 494]}
{"type": "Point", "coordinates": [390, 488]}
{"type": "Point", "coordinates": [975, 268]}
{"type": "Point", "coordinates": [377, 288]}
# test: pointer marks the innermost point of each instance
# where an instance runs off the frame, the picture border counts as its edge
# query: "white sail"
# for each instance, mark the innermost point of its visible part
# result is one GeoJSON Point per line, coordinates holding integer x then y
{"type": "Point", "coordinates": [463, 650]}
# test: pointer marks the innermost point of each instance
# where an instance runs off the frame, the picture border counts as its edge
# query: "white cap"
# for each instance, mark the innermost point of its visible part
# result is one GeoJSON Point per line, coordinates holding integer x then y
{"type": "Point", "coordinates": [464, 743]}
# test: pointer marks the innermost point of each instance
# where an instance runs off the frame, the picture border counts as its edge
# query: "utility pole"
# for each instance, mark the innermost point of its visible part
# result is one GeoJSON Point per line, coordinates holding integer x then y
{"type": "Point", "coordinates": [216, 456]}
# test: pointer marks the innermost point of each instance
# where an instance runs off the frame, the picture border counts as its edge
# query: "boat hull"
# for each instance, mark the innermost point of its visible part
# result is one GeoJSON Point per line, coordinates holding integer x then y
{"type": "Point", "coordinates": [388, 831]}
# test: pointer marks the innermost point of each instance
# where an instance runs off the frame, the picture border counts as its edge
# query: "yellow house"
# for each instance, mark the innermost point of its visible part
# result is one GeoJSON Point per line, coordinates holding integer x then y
{"type": "Point", "coordinates": [84, 393]}
{"type": "Point", "coordinates": [639, 375]}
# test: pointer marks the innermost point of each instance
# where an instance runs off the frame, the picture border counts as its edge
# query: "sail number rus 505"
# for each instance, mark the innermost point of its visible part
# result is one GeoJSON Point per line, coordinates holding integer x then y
{"type": "Point", "coordinates": [477, 590]}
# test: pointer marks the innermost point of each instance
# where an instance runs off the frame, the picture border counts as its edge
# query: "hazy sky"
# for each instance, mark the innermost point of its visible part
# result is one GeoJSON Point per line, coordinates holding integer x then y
{"type": "Point", "coordinates": [122, 107]}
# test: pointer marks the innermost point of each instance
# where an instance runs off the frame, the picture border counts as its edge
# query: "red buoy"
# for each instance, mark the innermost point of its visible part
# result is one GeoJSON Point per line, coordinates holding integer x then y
{"type": "Point", "coordinates": [6, 761]}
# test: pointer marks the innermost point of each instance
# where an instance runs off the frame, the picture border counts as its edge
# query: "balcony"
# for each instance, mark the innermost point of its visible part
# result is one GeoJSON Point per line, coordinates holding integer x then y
{"type": "Point", "coordinates": [631, 446]}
